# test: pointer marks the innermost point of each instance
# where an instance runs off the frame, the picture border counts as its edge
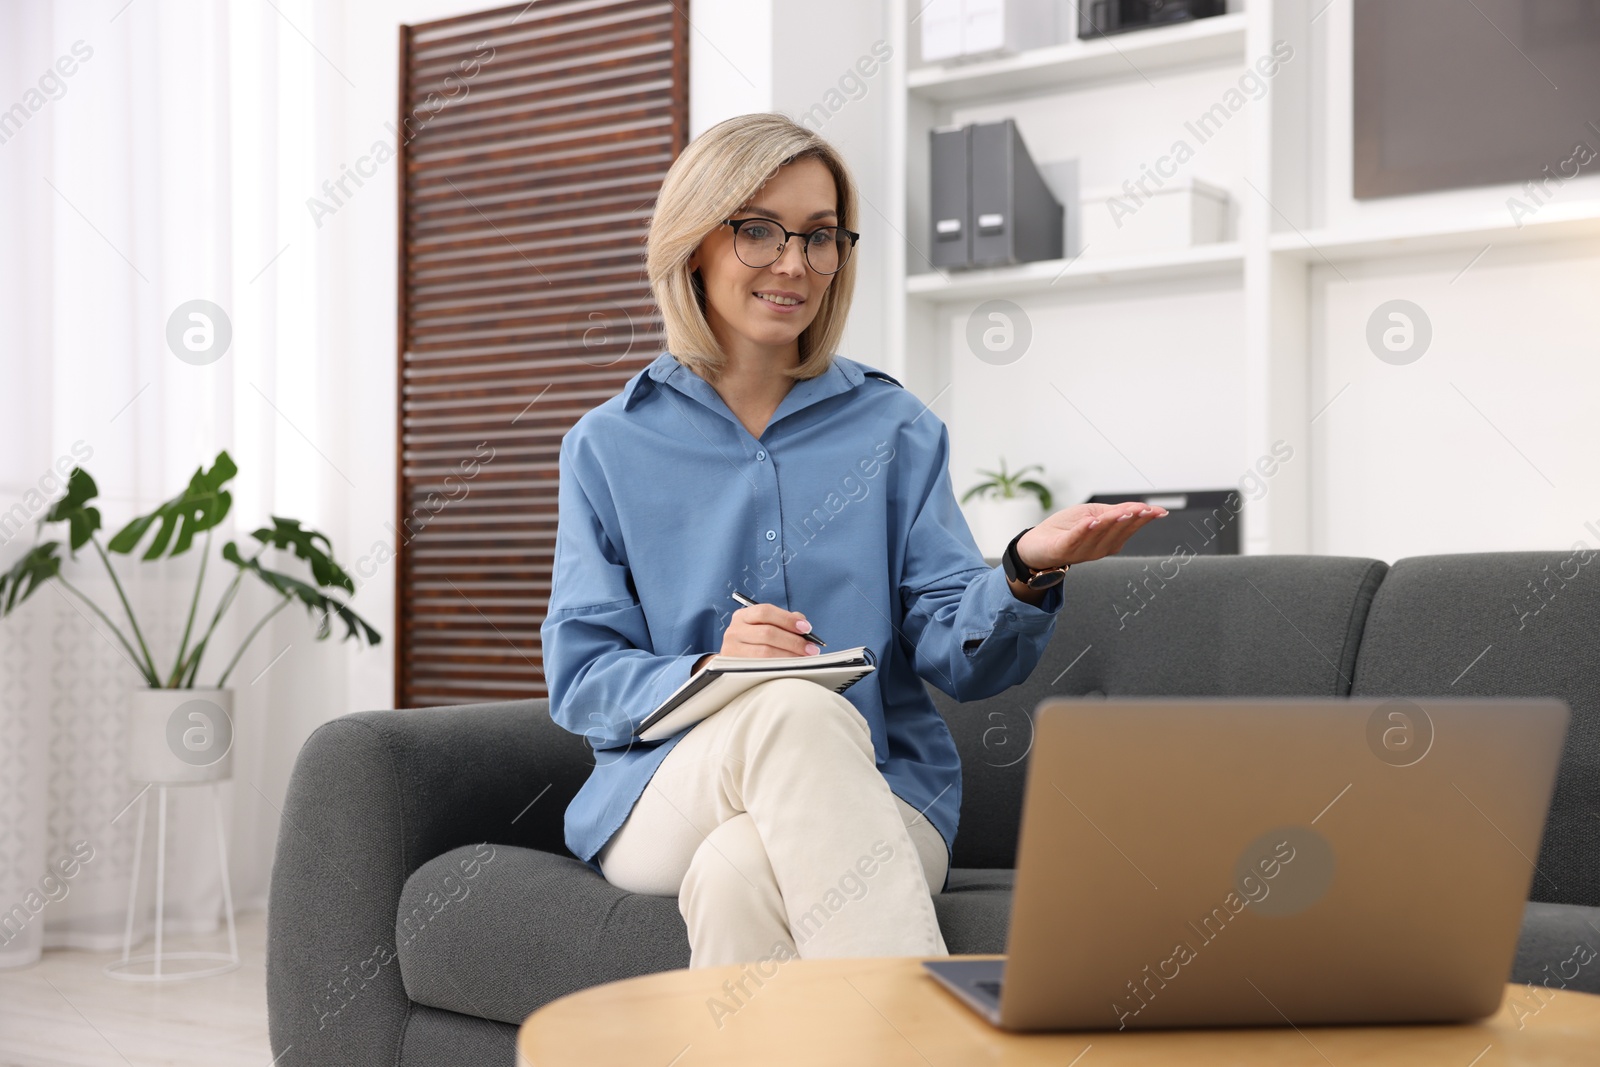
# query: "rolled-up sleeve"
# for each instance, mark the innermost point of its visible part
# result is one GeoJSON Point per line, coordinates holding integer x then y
{"type": "Point", "coordinates": [966, 632]}
{"type": "Point", "coordinates": [599, 664]}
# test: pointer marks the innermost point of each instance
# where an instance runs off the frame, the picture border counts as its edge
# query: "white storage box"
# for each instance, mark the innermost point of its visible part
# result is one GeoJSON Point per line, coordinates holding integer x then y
{"type": "Point", "coordinates": [953, 29]}
{"type": "Point", "coordinates": [1181, 213]}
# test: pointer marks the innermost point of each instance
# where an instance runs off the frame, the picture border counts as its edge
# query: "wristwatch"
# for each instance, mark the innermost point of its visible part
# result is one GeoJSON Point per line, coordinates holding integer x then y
{"type": "Point", "coordinates": [1019, 571]}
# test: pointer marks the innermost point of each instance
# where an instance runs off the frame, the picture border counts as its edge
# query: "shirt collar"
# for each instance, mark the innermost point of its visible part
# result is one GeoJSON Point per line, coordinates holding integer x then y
{"type": "Point", "coordinates": [657, 370]}
{"type": "Point", "coordinates": [842, 375]}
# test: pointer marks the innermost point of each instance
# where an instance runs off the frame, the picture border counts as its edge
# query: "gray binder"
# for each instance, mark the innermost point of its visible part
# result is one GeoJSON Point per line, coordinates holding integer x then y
{"type": "Point", "coordinates": [951, 240]}
{"type": "Point", "coordinates": [1014, 218]}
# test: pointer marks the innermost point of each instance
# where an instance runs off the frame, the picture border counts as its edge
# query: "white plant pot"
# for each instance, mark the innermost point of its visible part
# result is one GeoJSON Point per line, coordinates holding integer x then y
{"type": "Point", "coordinates": [180, 736]}
{"type": "Point", "coordinates": [995, 521]}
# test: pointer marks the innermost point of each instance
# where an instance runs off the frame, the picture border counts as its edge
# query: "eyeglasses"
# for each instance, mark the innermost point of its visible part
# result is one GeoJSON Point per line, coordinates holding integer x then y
{"type": "Point", "coordinates": [757, 243]}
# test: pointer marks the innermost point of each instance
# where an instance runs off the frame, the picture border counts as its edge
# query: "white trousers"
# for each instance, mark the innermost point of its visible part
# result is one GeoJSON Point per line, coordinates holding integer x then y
{"type": "Point", "coordinates": [773, 826]}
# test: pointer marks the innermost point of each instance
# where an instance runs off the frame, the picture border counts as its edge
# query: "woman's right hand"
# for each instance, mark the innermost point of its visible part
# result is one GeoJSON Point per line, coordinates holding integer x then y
{"type": "Point", "coordinates": [765, 630]}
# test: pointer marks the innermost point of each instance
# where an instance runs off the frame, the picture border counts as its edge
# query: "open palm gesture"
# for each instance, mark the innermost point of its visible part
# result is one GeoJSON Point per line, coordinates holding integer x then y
{"type": "Point", "coordinates": [1084, 532]}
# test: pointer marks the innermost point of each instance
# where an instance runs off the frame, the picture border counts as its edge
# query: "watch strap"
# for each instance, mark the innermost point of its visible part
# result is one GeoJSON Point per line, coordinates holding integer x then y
{"type": "Point", "coordinates": [1018, 571]}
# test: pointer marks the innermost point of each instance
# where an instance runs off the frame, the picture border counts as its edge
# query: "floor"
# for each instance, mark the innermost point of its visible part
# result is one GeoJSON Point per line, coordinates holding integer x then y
{"type": "Point", "coordinates": [63, 1012]}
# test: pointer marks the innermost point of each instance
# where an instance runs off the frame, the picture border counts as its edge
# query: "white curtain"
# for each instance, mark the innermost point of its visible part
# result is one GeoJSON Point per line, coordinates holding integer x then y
{"type": "Point", "coordinates": [154, 153]}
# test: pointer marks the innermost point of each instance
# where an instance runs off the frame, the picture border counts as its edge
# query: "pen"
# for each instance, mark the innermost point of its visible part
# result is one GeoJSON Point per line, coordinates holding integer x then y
{"type": "Point", "coordinates": [747, 602]}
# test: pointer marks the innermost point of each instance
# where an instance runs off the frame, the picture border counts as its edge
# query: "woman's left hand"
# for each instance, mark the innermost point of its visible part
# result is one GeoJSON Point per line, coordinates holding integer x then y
{"type": "Point", "coordinates": [1084, 532]}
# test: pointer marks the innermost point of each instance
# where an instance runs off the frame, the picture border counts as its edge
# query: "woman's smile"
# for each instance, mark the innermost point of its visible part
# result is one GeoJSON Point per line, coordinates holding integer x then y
{"type": "Point", "coordinates": [780, 300]}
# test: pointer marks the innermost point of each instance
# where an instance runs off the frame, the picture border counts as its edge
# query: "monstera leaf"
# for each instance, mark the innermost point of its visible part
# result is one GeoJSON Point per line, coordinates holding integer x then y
{"type": "Point", "coordinates": [198, 508]}
{"type": "Point", "coordinates": [309, 595]}
{"type": "Point", "coordinates": [286, 533]}
{"type": "Point", "coordinates": [37, 567]}
{"type": "Point", "coordinates": [83, 521]}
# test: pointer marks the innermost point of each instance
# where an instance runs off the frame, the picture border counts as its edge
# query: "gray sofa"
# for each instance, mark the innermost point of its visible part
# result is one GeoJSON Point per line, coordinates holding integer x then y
{"type": "Point", "coordinates": [422, 902]}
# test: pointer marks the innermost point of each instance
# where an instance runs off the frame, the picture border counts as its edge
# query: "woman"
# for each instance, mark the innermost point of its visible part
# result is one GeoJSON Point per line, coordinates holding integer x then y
{"type": "Point", "coordinates": [795, 821]}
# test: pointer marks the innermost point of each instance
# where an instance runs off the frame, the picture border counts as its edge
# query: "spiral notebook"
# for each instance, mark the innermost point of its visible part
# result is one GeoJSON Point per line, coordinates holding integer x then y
{"type": "Point", "coordinates": [725, 677]}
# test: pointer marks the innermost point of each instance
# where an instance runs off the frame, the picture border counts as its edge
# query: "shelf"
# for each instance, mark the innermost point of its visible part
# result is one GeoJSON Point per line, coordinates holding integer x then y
{"type": "Point", "coordinates": [1553, 222]}
{"type": "Point", "coordinates": [1059, 275]}
{"type": "Point", "coordinates": [1076, 63]}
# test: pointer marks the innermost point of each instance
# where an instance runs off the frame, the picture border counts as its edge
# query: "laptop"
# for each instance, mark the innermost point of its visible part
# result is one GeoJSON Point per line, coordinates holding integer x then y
{"type": "Point", "coordinates": [1268, 862]}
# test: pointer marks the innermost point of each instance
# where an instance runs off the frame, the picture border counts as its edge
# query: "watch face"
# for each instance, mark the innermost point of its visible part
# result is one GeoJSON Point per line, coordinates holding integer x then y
{"type": "Point", "coordinates": [1045, 579]}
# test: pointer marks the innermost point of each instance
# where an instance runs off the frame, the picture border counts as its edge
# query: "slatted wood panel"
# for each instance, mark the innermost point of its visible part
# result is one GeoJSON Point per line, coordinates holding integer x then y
{"type": "Point", "coordinates": [535, 138]}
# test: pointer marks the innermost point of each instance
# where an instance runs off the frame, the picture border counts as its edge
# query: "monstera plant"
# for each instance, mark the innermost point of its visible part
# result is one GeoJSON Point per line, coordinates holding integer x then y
{"type": "Point", "coordinates": [196, 510]}
{"type": "Point", "coordinates": [176, 733]}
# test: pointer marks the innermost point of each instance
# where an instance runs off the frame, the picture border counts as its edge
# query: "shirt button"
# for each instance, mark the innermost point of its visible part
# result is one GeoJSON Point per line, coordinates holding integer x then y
{"type": "Point", "coordinates": [771, 534]}
{"type": "Point", "coordinates": [761, 455]}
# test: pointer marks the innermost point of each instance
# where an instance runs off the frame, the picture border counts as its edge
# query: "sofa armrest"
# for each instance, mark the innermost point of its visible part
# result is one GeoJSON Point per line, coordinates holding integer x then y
{"type": "Point", "coordinates": [373, 796]}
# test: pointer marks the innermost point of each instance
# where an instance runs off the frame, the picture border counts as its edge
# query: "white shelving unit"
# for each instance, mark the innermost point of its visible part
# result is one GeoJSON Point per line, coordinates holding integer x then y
{"type": "Point", "coordinates": [1554, 223]}
{"type": "Point", "coordinates": [1078, 63]}
{"type": "Point", "coordinates": [1060, 275]}
{"type": "Point", "coordinates": [1292, 141]}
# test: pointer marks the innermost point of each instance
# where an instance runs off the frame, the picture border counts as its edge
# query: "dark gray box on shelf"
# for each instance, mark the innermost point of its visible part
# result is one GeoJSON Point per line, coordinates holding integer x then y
{"type": "Point", "coordinates": [988, 204]}
{"type": "Point", "coordinates": [1100, 18]}
{"type": "Point", "coordinates": [948, 200]}
{"type": "Point", "coordinates": [1014, 216]}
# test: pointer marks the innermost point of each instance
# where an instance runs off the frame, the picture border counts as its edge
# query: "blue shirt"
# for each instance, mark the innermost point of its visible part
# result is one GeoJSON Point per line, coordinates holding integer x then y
{"type": "Point", "coordinates": [842, 509]}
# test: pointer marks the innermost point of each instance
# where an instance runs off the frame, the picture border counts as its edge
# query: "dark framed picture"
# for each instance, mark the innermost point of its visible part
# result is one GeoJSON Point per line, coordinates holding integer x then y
{"type": "Point", "coordinates": [1448, 95]}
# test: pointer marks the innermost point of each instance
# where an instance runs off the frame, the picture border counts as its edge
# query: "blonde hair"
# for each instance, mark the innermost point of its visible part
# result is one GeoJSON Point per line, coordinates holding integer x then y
{"type": "Point", "coordinates": [719, 172]}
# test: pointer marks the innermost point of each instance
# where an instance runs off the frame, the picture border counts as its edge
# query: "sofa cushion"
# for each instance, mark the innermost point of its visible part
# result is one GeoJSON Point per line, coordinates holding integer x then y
{"type": "Point", "coordinates": [1154, 626]}
{"type": "Point", "coordinates": [434, 1037]}
{"type": "Point", "coordinates": [1559, 948]}
{"type": "Point", "coordinates": [975, 911]}
{"type": "Point", "coordinates": [497, 931]}
{"type": "Point", "coordinates": [1505, 624]}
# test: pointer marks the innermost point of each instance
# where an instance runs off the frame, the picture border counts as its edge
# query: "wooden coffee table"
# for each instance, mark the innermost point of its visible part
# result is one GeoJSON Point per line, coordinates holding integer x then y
{"type": "Point", "coordinates": [890, 1012]}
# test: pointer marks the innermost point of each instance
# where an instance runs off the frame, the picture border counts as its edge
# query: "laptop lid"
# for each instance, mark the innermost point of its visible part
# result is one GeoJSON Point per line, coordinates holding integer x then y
{"type": "Point", "coordinates": [1258, 861]}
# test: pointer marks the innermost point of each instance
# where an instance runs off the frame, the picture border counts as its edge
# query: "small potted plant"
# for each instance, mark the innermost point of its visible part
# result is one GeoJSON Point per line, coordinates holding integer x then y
{"type": "Point", "coordinates": [1005, 504]}
{"type": "Point", "coordinates": [178, 732]}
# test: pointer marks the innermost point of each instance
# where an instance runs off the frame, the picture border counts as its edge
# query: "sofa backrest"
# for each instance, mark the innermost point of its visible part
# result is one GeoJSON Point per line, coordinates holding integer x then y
{"type": "Point", "coordinates": [1482, 624]}
{"type": "Point", "coordinates": [1144, 626]}
{"type": "Point", "coordinates": [1505, 624]}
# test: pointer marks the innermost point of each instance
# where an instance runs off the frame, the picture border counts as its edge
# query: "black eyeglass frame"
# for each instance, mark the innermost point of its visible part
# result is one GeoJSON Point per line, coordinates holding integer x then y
{"type": "Point", "coordinates": [805, 250]}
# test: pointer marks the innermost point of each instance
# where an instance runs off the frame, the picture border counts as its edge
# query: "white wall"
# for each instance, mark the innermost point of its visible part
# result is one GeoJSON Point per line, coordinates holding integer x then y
{"type": "Point", "coordinates": [1483, 444]}
{"type": "Point", "coordinates": [1120, 406]}
{"type": "Point", "coordinates": [730, 60]}
{"type": "Point", "coordinates": [820, 50]}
